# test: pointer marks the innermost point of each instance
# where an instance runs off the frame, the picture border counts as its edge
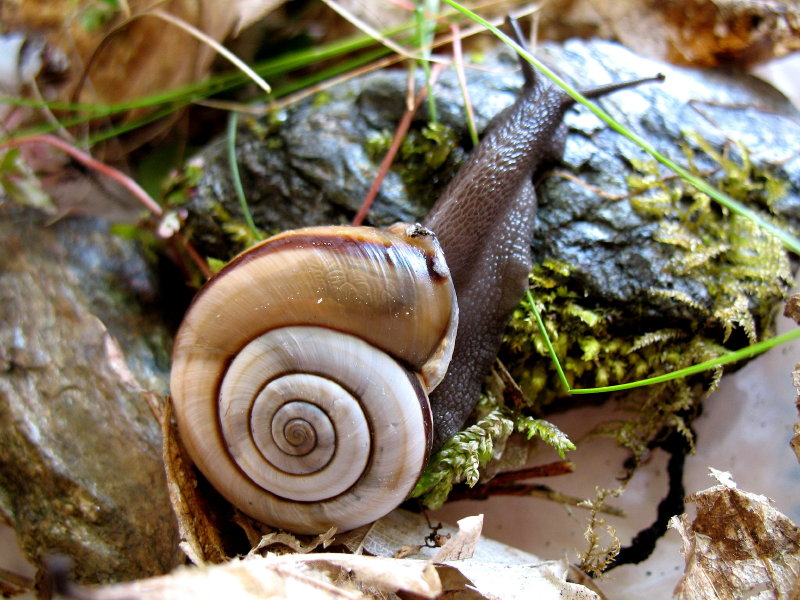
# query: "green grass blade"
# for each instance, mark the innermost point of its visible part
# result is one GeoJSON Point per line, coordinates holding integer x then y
{"type": "Point", "coordinates": [725, 359]}
{"type": "Point", "coordinates": [550, 349]}
{"type": "Point", "coordinates": [236, 178]}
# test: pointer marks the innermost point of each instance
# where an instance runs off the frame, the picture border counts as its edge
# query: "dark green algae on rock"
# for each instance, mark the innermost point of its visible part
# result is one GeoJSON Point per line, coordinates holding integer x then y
{"type": "Point", "coordinates": [636, 272]}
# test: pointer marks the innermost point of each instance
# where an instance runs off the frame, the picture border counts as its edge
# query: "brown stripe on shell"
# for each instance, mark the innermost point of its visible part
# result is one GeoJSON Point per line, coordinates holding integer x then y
{"type": "Point", "coordinates": [349, 240]}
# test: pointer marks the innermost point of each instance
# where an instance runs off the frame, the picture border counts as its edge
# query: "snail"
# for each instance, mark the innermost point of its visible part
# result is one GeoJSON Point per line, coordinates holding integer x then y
{"type": "Point", "coordinates": [303, 368]}
{"type": "Point", "coordinates": [302, 371]}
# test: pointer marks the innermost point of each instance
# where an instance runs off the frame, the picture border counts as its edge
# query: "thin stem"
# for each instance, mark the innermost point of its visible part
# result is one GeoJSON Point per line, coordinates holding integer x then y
{"type": "Point", "coordinates": [388, 158]}
{"type": "Point", "coordinates": [92, 163]}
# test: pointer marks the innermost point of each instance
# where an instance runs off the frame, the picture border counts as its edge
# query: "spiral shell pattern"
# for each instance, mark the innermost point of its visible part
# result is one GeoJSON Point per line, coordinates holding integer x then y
{"type": "Point", "coordinates": [301, 372]}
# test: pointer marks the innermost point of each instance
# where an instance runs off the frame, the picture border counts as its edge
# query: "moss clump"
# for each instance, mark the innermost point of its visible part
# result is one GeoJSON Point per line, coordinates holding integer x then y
{"type": "Point", "coordinates": [593, 354]}
{"type": "Point", "coordinates": [463, 457]}
{"type": "Point", "coordinates": [745, 270]}
{"type": "Point", "coordinates": [425, 155]}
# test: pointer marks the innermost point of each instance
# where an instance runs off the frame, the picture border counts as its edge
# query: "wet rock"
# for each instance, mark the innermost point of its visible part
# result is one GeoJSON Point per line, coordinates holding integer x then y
{"type": "Point", "coordinates": [81, 349]}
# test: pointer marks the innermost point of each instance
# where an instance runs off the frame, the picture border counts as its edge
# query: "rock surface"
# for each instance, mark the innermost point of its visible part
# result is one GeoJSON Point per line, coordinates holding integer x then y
{"type": "Point", "coordinates": [80, 349]}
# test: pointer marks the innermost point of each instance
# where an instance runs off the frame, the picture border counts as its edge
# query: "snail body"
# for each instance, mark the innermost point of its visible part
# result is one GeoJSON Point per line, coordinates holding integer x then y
{"type": "Point", "coordinates": [304, 317]}
{"type": "Point", "coordinates": [485, 222]}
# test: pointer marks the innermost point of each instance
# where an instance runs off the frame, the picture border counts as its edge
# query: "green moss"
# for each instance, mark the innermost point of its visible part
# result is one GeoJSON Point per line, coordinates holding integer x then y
{"type": "Point", "coordinates": [463, 457]}
{"type": "Point", "coordinates": [179, 186]}
{"type": "Point", "coordinates": [594, 355]}
{"type": "Point", "coordinates": [98, 13]}
{"type": "Point", "coordinates": [423, 155]}
{"type": "Point", "coordinates": [321, 99]}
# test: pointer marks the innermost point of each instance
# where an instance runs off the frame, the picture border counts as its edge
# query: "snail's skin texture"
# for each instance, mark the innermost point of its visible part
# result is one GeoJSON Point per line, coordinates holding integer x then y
{"type": "Point", "coordinates": [484, 221]}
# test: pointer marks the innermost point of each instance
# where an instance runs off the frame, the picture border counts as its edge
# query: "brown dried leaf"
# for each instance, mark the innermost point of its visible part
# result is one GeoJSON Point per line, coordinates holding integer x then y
{"type": "Point", "coordinates": [293, 543]}
{"type": "Point", "coordinates": [792, 308]}
{"type": "Point", "coordinates": [693, 32]}
{"type": "Point", "coordinates": [737, 546]}
{"type": "Point", "coordinates": [247, 12]}
{"type": "Point", "coordinates": [254, 578]}
{"type": "Point", "coordinates": [463, 544]}
{"type": "Point", "coordinates": [200, 538]}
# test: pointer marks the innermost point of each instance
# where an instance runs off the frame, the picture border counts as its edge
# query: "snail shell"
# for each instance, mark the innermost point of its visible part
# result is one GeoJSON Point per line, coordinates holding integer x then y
{"type": "Point", "coordinates": [301, 373]}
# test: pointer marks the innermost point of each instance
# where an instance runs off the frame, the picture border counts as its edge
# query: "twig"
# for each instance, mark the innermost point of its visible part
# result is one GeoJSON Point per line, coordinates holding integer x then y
{"type": "Point", "coordinates": [553, 469]}
{"type": "Point", "coordinates": [129, 184]}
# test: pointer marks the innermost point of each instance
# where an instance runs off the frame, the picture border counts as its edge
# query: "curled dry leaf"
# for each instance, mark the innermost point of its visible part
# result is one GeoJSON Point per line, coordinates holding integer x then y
{"type": "Point", "coordinates": [334, 576]}
{"type": "Point", "coordinates": [462, 545]}
{"type": "Point", "coordinates": [200, 538]}
{"type": "Point", "coordinates": [291, 542]}
{"type": "Point", "coordinates": [737, 546]}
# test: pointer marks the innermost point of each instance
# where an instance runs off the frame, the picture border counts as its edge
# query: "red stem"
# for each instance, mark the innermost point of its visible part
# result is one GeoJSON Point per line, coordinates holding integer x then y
{"type": "Point", "coordinates": [92, 163]}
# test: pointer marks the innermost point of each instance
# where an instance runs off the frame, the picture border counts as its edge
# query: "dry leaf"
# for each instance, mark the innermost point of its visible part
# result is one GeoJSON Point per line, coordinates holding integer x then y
{"type": "Point", "coordinates": [290, 576]}
{"type": "Point", "coordinates": [290, 541]}
{"type": "Point", "coordinates": [402, 529]}
{"type": "Point", "coordinates": [200, 539]}
{"type": "Point", "coordinates": [737, 546]}
{"type": "Point", "coordinates": [256, 578]}
{"type": "Point", "coordinates": [543, 581]}
{"type": "Point", "coordinates": [247, 12]}
{"type": "Point", "coordinates": [463, 544]}
{"type": "Point", "coordinates": [693, 32]}
{"type": "Point", "coordinates": [502, 572]}
{"type": "Point", "coordinates": [353, 577]}
{"type": "Point", "coordinates": [384, 574]}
